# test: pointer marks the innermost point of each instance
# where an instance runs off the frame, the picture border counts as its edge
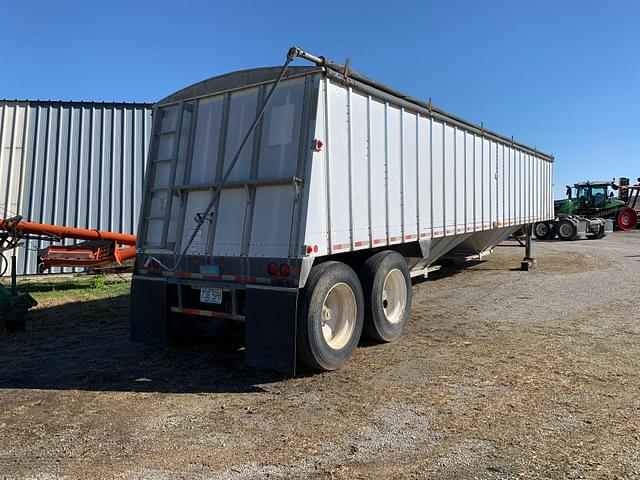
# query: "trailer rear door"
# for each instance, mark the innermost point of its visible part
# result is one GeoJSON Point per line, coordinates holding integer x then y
{"type": "Point", "coordinates": [193, 144]}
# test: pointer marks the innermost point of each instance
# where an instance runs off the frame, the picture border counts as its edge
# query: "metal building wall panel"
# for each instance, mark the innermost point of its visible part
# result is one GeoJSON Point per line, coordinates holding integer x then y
{"type": "Point", "coordinates": [72, 163]}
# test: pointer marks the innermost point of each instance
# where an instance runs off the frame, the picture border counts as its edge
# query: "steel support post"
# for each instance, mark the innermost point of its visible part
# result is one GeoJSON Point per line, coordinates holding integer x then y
{"type": "Point", "coordinates": [528, 262]}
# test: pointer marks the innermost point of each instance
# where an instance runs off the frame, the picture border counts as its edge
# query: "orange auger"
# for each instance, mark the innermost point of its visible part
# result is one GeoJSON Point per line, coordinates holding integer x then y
{"type": "Point", "coordinates": [99, 248]}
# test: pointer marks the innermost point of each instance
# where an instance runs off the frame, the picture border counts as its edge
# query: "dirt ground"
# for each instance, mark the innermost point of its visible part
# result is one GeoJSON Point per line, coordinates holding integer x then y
{"type": "Point", "coordinates": [500, 374]}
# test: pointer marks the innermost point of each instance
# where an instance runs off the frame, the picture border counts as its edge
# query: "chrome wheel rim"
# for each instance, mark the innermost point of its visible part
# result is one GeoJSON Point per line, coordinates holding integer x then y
{"type": "Point", "coordinates": [394, 296]}
{"type": "Point", "coordinates": [339, 312]}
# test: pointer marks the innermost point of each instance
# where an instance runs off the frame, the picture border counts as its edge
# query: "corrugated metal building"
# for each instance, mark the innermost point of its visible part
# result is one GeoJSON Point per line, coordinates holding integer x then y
{"type": "Point", "coordinates": [72, 163]}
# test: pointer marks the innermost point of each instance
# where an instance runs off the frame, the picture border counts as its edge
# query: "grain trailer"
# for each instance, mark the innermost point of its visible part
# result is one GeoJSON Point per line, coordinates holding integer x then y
{"type": "Point", "coordinates": [302, 199]}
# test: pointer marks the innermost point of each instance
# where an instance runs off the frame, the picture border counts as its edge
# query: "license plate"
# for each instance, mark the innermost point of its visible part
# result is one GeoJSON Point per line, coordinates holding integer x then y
{"type": "Point", "coordinates": [211, 295]}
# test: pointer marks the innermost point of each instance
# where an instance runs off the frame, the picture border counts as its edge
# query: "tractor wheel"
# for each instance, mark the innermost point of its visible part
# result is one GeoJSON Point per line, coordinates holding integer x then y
{"type": "Point", "coordinates": [567, 230]}
{"type": "Point", "coordinates": [627, 218]}
{"type": "Point", "coordinates": [541, 230]}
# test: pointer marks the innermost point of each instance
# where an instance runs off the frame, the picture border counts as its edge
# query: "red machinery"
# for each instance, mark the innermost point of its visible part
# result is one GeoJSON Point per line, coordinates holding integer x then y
{"type": "Point", "coordinates": [634, 198]}
{"type": "Point", "coordinates": [631, 195]}
{"type": "Point", "coordinates": [99, 248]}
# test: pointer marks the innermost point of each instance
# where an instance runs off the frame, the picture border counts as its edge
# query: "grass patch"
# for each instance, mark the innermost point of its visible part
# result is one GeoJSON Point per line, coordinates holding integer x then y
{"type": "Point", "coordinates": [76, 287]}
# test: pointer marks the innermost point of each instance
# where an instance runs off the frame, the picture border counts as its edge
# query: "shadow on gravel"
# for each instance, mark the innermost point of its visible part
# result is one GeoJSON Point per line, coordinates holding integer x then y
{"type": "Point", "coordinates": [86, 346]}
{"type": "Point", "coordinates": [446, 270]}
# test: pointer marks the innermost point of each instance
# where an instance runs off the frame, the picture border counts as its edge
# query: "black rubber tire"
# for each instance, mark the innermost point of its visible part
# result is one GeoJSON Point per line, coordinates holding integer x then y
{"type": "Point", "coordinates": [573, 230]}
{"type": "Point", "coordinates": [372, 275]}
{"type": "Point", "coordinates": [541, 230]}
{"type": "Point", "coordinates": [553, 230]}
{"type": "Point", "coordinates": [312, 348]}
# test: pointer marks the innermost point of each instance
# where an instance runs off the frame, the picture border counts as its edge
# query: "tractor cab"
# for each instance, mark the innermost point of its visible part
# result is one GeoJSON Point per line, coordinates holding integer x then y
{"type": "Point", "coordinates": [590, 197]}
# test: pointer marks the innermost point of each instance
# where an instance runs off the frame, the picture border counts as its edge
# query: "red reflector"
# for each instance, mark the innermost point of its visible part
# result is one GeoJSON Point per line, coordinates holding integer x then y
{"type": "Point", "coordinates": [272, 269]}
{"type": "Point", "coordinates": [315, 249]}
{"type": "Point", "coordinates": [318, 144]}
{"type": "Point", "coordinates": [309, 249]}
{"type": "Point", "coordinates": [284, 270]}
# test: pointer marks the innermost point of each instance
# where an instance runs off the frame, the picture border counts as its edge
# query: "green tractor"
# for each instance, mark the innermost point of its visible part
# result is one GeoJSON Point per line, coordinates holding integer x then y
{"type": "Point", "coordinates": [14, 305]}
{"type": "Point", "coordinates": [590, 210]}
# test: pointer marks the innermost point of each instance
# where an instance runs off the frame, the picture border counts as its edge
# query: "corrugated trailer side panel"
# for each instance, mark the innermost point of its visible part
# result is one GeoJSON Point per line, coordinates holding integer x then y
{"type": "Point", "coordinates": [394, 175]}
{"type": "Point", "coordinates": [358, 144]}
{"type": "Point", "coordinates": [411, 176]}
{"type": "Point", "coordinates": [424, 177]}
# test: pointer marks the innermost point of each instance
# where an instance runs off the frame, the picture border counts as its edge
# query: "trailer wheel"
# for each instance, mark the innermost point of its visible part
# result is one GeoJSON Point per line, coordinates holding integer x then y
{"type": "Point", "coordinates": [330, 317]}
{"type": "Point", "coordinates": [627, 218]}
{"type": "Point", "coordinates": [567, 230]}
{"type": "Point", "coordinates": [386, 283]}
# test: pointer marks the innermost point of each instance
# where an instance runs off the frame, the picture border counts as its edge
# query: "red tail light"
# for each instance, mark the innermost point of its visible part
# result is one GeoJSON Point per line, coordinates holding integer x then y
{"type": "Point", "coordinates": [272, 269]}
{"type": "Point", "coordinates": [284, 270]}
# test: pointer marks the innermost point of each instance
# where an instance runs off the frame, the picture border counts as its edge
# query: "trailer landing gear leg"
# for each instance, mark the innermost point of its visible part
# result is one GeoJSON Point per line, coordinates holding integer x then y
{"type": "Point", "coordinates": [528, 262]}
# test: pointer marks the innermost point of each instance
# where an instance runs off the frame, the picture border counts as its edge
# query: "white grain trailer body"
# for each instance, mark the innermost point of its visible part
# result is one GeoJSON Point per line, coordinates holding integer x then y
{"type": "Point", "coordinates": [338, 170]}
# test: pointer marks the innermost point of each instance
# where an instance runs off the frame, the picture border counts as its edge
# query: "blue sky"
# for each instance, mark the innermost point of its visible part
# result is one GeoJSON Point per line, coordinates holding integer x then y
{"type": "Point", "coordinates": [562, 76]}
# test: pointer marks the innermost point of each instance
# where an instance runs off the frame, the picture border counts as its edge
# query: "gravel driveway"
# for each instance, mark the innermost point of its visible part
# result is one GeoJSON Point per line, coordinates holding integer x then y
{"type": "Point", "coordinates": [500, 374]}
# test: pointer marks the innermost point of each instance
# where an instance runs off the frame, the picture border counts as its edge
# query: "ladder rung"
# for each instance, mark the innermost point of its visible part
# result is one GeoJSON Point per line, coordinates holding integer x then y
{"type": "Point", "coordinates": [152, 217]}
{"type": "Point", "coordinates": [168, 132]}
{"type": "Point", "coordinates": [162, 160]}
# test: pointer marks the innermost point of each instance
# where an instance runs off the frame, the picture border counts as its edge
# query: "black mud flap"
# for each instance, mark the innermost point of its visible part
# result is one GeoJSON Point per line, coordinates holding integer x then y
{"type": "Point", "coordinates": [148, 311]}
{"type": "Point", "coordinates": [270, 330]}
